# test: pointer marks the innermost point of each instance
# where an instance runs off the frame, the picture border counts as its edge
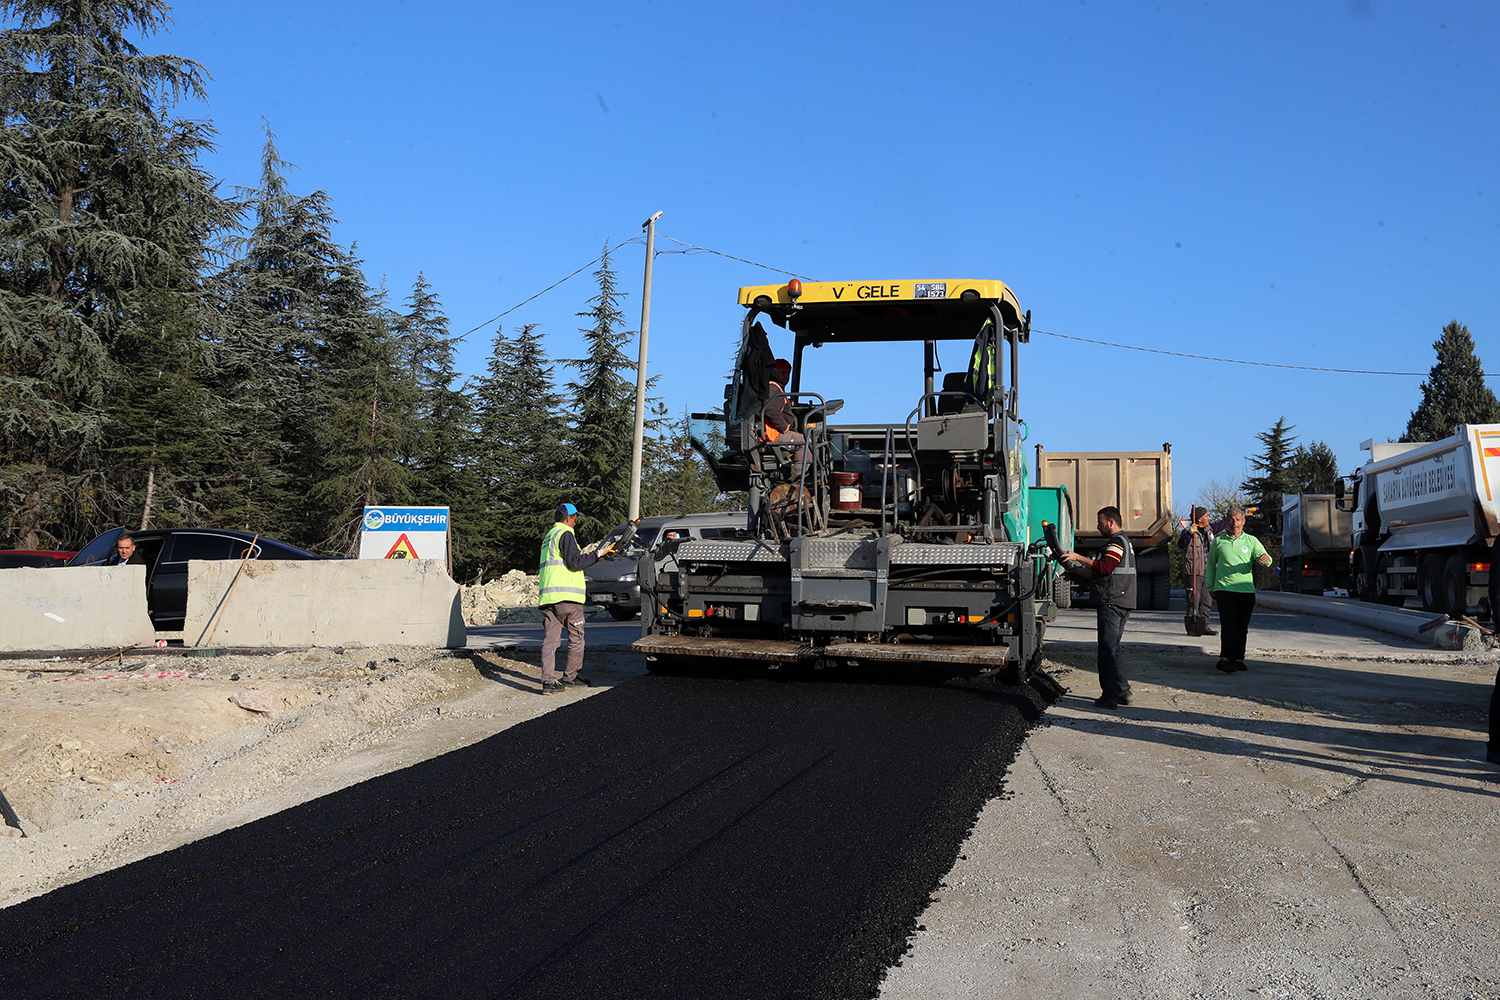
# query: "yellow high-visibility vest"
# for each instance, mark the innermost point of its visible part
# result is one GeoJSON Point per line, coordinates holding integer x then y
{"type": "Point", "coordinates": [557, 581]}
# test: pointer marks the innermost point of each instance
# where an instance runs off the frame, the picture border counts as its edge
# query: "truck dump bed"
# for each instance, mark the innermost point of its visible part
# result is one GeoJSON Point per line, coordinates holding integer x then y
{"type": "Point", "coordinates": [1139, 483]}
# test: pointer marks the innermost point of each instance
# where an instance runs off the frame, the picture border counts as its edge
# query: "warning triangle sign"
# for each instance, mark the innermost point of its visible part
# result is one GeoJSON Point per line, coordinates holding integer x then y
{"type": "Point", "coordinates": [402, 549]}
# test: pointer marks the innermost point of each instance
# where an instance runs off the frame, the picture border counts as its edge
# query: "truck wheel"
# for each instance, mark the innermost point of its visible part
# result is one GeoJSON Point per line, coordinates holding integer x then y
{"type": "Point", "coordinates": [1160, 585]}
{"type": "Point", "coordinates": [1363, 586]}
{"type": "Point", "coordinates": [1383, 584]}
{"type": "Point", "coordinates": [1456, 586]}
{"type": "Point", "coordinates": [1430, 584]}
{"type": "Point", "coordinates": [622, 614]}
{"type": "Point", "coordinates": [1062, 591]}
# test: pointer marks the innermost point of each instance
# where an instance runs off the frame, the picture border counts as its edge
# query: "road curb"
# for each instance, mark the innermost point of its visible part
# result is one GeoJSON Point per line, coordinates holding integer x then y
{"type": "Point", "coordinates": [1412, 624]}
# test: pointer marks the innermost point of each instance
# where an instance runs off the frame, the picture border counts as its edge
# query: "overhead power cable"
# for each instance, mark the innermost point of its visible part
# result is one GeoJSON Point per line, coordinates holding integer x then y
{"type": "Point", "coordinates": [697, 249]}
{"type": "Point", "coordinates": [1231, 361]}
{"type": "Point", "coordinates": [690, 248]}
{"type": "Point", "coordinates": [544, 291]}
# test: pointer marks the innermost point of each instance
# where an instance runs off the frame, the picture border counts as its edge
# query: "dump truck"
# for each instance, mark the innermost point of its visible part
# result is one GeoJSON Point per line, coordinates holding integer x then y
{"type": "Point", "coordinates": [1425, 515]}
{"type": "Point", "coordinates": [1315, 540]}
{"type": "Point", "coordinates": [1139, 483]}
{"type": "Point", "coordinates": [905, 541]}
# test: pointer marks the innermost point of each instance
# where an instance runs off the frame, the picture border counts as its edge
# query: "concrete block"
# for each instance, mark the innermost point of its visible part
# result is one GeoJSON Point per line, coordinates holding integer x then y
{"type": "Point", "coordinates": [323, 602]}
{"type": "Point", "coordinates": [74, 607]}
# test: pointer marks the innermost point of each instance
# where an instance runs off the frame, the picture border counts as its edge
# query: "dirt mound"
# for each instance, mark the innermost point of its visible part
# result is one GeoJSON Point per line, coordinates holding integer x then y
{"type": "Point", "coordinates": [510, 598]}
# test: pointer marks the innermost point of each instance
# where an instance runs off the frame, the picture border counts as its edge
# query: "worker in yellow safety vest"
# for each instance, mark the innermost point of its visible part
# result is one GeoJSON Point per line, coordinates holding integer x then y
{"type": "Point", "coordinates": [563, 590]}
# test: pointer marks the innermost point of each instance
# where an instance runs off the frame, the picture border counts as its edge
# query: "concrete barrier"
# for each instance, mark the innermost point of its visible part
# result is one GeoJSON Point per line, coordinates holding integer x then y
{"type": "Point", "coordinates": [74, 607]}
{"type": "Point", "coordinates": [1413, 624]}
{"type": "Point", "coordinates": [332, 602]}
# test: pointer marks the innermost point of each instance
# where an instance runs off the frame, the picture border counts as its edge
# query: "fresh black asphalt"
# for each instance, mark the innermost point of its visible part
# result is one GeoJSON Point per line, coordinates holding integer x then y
{"type": "Point", "coordinates": [675, 837]}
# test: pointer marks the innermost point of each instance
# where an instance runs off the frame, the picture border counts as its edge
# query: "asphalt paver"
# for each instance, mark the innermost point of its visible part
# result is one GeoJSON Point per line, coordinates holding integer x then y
{"type": "Point", "coordinates": [675, 837]}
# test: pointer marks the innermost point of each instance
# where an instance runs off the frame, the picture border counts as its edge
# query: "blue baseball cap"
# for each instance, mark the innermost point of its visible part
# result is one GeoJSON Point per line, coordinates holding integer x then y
{"type": "Point", "coordinates": [566, 509]}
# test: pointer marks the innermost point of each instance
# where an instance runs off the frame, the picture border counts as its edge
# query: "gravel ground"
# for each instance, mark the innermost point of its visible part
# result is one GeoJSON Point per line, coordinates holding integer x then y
{"type": "Point", "coordinates": [1314, 828]}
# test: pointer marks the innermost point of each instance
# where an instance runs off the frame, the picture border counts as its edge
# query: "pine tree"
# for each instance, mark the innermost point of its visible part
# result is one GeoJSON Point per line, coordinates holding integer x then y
{"type": "Point", "coordinates": [304, 362]}
{"type": "Point", "coordinates": [443, 423]}
{"type": "Point", "coordinates": [1314, 469]}
{"type": "Point", "coordinates": [425, 361]}
{"type": "Point", "coordinates": [676, 479]}
{"type": "Point", "coordinates": [1264, 491]}
{"type": "Point", "coordinates": [264, 332]}
{"type": "Point", "coordinates": [604, 400]}
{"type": "Point", "coordinates": [100, 196]}
{"type": "Point", "coordinates": [359, 447]}
{"type": "Point", "coordinates": [1455, 391]}
{"type": "Point", "coordinates": [521, 459]}
{"type": "Point", "coordinates": [161, 428]}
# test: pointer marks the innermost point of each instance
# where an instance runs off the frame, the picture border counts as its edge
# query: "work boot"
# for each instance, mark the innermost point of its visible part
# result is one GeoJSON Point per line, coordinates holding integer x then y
{"type": "Point", "coordinates": [551, 688]}
{"type": "Point", "coordinates": [1105, 701]}
{"type": "Point", "coordinates": [1123, 698]}
{"type": "Point", "coordinates": [1209, 631]}
{"type": "Point", "coordinates": [1225, 664]}
{"type": "Point", "coordinates": [1240, 665]}
{"type": "Point", "coordinates": [576, 682]}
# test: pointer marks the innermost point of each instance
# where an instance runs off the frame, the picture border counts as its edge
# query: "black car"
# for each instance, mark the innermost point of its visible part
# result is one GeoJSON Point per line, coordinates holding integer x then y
{"type": "Point", "coordinates": [166, 552]}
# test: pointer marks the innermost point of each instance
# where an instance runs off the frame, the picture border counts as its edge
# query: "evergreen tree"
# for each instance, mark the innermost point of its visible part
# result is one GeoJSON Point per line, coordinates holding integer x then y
{"type": "Point", "coordinates": [604, 400]}
{"type": "Point", "coordinates": [161, 430]}
{"type": "Point", "coordinates": [358, 446]}
{"type": "Point", "coordinates": [1264, 491]}
{"type": "Point", "coordinates": [521, 459]}
{"type": "Point", "coordinates": [1314, 469]}
{"type": "Point", "coordinates": [263, 334]}
{"type": "Point", "coordinates": [676, 479]}
{"type": "Point", "coordinates": [443, 427]}
{"type": "Point", "coordinates": [101, 201]}
{"type": "Point", "coordinates": [304, 363]}
{"type": "Point", "coordinates": [425, 360]}
{"type": "Point", "coordinates": [1455, 391]}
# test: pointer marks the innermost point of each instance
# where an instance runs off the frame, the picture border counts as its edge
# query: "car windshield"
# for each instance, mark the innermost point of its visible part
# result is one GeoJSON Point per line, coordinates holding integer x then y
{"type": "Point", "coordinates": [637, 546]}
{"type": "Point", "coordinates": [95, 552]}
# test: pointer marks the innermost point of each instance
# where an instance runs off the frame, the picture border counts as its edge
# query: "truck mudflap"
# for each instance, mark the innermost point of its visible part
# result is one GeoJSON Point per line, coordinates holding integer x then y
{"type": "Point", "coordinates": [785, 651]}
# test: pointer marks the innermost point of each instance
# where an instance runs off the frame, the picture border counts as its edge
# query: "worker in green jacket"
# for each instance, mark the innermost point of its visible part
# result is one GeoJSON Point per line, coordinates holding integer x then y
{"type": "Point", "coordinates": [563, 590]}
{"type": "Point", "coordinates": [1230, 577]}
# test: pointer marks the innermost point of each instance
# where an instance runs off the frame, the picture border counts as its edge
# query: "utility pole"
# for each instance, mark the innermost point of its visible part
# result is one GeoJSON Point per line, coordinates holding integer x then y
{"type": "Point", "coordinates": [638, 444]}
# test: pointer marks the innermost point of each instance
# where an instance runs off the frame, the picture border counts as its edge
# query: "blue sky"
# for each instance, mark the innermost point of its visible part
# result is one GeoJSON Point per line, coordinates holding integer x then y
{"type": "Point", "coordinates": [1310, 183]}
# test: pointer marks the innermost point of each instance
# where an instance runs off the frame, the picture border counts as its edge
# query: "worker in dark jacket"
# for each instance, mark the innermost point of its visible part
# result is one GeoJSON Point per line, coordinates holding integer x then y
{"type": "Point", "coordinates": [1195, 543]}
{"type": "Point", "coordinates": [1112, 578]}
{"type": "Point", "coordinates": [781, 421]}
{"type": "Point", "coordinates": [563, 590]}
{"type": "Point", "coordinates": [126, 553]}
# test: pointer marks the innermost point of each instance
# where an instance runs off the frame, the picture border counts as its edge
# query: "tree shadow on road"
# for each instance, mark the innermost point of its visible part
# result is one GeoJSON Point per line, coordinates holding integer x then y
{"type": "Point", "coordinates": [1346, 716]}
{"type": "Point", "coordinates": [1409, 759]}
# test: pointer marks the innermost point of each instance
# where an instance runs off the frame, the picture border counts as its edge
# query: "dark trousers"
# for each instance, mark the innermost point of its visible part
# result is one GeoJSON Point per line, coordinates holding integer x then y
{"type": "Point", "coordinates": [1234, 622]}
{"type": "Point", "coordinates": [1112, 679]}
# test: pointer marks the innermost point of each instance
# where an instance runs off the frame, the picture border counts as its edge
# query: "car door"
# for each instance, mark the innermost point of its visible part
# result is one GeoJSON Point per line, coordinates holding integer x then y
{"type": "Point", "coordinates": [169, 584]}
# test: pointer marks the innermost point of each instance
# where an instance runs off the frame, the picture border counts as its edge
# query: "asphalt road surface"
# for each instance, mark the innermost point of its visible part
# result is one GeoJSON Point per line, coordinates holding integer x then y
{"type": "Point", "coordinates": [674, 837]}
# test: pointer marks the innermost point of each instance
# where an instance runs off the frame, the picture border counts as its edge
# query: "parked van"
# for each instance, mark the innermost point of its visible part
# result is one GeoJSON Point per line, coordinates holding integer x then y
{"type": "Point", "coordinates": [614, 583]}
